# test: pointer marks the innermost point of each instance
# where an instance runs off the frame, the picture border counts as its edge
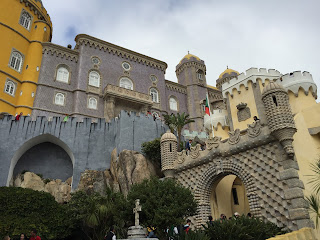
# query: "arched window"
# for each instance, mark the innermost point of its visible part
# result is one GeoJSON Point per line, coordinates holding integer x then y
{"type": "Point", "coordinates": [126, 83]}
{"type": "Point", "coordinates": [154, 95]}
{"type": "Point", "coordinates": [59, 99]}
{"type": "Point", "coordinates": [94, 79]}
{"type": "Point", "coordinates": [93, 103]}
{"type": "Point", "coordinates": [25, 20]}
{"type": "Point", "coordinates": [63, 75]}
{"type": "Point", "coordinates": [173, 104]}
{"type": "Point", "coordinates": [200, 75]}
{"type": "Point", "coordinates": [10, 87]}
{"type": "Point", "coordinates": [16, 61]}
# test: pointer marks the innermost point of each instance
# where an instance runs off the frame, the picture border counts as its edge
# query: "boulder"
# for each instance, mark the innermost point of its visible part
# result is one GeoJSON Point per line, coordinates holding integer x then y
{"type": "Point", "coordinates": [31, 180]}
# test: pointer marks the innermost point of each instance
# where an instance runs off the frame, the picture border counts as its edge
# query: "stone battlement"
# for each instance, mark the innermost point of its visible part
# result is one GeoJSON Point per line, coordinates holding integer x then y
{"type": "Point", "coordinates": [96, 139]}
{"type": "Point", "coordinates": [251, 75]}
{"type": "Point", "coordinates": [296, 80]}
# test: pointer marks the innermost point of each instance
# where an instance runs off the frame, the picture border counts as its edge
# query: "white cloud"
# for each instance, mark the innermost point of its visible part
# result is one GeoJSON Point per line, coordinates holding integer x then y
{"type": "Point", "coordinates": [276, 34]}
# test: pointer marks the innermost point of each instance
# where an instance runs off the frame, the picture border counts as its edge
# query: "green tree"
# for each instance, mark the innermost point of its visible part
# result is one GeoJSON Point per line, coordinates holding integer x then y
{"type": "Point", "coordinates": [95, 214]}
{"type": "Point", "coordinates": [152, 151]}
{"type": "Point", "coordinates": [176, 123]}
{"type": "Point", "coordinates": [164, 203]}
{"type": "Point", "coordinates": [313, 199]}
{"type": "Point", "coordinates": [242, 228]}
{"type": "Point", "coordinates": [23, 209]}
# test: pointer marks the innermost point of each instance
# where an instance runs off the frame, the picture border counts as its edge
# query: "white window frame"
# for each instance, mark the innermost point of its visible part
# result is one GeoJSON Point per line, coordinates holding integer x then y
{"type": "Point", "coordinates": [94, 106]}
{"type": "Point", "coordinates": [16, 60]}
{"type": "Point", "coordinates": [10, 87]}
{"type": "Point", "coordinates": [154, 95]}
{"type": "Point", "coordinates": [25, 19]}
{"type": "Point", "coordinates": [92, 80]}
{"type": "Point", "coordinates": [175, 107]}
{"type": "Point", "coordinates": [124, 83]}
{"type": "Point", "coordinates": [59, 99]}
{"type": "Point", "coordinates": [63, 76]}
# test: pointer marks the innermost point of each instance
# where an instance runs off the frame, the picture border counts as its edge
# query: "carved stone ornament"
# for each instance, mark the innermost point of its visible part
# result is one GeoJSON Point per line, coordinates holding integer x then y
{"type": "Point", "coordinates": [195, 151]}
{"type": "Point", "coordinates": [254, 129]}
{"type": "Point", "coordinates": [234, 137]}
{"type": "Point", "coordinates": [243, 114]}
{"type": "Point", "coordinates": [213, 142]}
{"type": "Point", "coordinates": [181, 156]}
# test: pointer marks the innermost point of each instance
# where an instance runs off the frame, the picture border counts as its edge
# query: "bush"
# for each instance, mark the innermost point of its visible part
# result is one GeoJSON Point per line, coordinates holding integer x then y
{"type": "Point", "coordinates": [242, 228]}
{"type": "Point", "coordinates": [93, 214]}
{"type": "Point", "coordinates": [151, 150]}
{"type": "Point", "coordinates": [164, 203]}
{"type": "Point", "coordinates": [23, 209]}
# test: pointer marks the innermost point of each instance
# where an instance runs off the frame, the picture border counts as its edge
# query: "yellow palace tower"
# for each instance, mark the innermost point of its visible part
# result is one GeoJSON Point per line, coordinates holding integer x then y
{"type": "Point", "coordinates": [24, 25]}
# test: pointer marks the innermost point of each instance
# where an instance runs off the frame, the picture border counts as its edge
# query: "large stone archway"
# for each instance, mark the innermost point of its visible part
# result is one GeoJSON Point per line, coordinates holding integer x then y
{"type": "Point", "coordinates": [208, 179]}
{"type": "Point", "coordinates": [45, 138]}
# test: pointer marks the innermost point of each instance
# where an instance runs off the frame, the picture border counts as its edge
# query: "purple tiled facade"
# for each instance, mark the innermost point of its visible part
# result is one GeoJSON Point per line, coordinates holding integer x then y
{"type": "Point", "coordinates": [189, 92]}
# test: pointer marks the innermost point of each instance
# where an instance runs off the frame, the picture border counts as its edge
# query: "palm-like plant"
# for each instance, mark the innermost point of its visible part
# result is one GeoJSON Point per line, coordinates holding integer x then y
{"type": "Point", "coordinates": [313, 199]}
{"type": "Point", "coordinates": [176, 123]}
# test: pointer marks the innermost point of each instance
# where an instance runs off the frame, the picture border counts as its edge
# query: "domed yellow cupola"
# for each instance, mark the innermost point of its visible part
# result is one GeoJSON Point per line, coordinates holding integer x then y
{"type": "Point", "coordinates": [226, 75]}
{"type": "Point", "coordinates": [190, 56]}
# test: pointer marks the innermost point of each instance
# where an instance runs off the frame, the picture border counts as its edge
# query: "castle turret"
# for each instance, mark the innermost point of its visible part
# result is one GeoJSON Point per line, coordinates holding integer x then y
{"type": "Point", "coordinates": [168, 153]}
{"type": "Point", "coordinates": [191, 72]}
{"type": "Point", "coordinates": [280, 119]}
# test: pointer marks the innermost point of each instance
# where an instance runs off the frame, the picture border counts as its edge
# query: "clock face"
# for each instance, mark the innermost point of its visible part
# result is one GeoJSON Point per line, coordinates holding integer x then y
{"type": "Point", "coordinates": [126, 66]}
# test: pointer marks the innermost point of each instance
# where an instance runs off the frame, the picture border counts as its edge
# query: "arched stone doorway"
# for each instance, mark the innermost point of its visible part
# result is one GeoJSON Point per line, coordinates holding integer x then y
{"type": "Point", "coordinates": [40, 147]}
{"type": "Point", "coordinates": [210, 180]}
{"type": "Point", "coordinates": [228, 196]}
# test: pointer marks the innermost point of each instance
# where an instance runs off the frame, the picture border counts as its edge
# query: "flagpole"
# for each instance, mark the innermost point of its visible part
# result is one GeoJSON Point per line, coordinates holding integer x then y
{"type": "Point", "coordinates": [210, 114]}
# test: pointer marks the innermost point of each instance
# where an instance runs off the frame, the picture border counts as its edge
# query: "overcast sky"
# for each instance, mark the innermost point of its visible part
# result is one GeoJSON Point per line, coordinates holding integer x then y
{"type": "Point", "coordinates": [279, 34]}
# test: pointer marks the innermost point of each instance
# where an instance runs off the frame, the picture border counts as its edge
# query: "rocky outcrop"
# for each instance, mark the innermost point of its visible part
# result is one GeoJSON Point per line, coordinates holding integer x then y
{"type": "Point", "coordinates": [129, 168]}
{"type": "Point", "coordinates": [58, 189]}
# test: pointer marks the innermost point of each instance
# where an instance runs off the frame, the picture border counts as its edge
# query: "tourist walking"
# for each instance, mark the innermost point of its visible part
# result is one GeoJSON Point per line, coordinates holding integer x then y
{"type": "Point", "coordinates": [6, 238]}
{"type": "Point", "coordinates": [22, 236]}
{"type": "Point", "coordinates": [111, 234]}
{"type": "Point", "coordinates": [18, 116]}
{"type": "Point", "coordinates": [186, 227]}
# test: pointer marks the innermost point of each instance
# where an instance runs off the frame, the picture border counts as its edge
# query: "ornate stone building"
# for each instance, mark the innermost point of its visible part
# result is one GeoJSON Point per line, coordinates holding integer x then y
{"type": "Point", "coordinates": [98, 79]}
{"type": "Point", "coordinates": [258, 166]}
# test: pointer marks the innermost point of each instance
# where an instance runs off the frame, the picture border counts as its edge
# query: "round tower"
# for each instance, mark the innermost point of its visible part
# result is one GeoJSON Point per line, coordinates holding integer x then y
{"type": "Point", "coordinates": [168, 145]}
{"type": "Point", "coordinates": [280, 119]}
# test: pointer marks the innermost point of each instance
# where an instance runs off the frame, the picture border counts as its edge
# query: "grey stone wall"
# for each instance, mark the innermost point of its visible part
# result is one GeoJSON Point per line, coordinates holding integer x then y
{"type": "Point", "coordinates": [89, 145]}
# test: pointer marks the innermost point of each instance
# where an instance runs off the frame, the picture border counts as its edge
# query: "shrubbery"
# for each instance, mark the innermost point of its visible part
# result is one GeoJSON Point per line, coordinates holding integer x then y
{"type": "Point", "coordinates": [24, 209]}
{"type": "Point", "coordinates": [242, 228]}
{"type": "Point", "coordinates": [152, 151]}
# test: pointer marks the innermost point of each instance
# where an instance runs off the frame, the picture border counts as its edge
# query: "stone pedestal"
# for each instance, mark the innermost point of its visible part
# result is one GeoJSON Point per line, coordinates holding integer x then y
{"type": "Point", "coordinates": [136, 232]}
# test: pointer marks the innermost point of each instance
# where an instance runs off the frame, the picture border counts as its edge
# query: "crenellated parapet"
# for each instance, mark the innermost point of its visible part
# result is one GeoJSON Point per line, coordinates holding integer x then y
{"type": "Point", "coordinates": [299, 80]}
{"type": "Point", "coordinates": [59, 51]}
{"type": "Point", "coordinates": [217, 116]}
{"type": "Point", "coordinates": [251, 75]}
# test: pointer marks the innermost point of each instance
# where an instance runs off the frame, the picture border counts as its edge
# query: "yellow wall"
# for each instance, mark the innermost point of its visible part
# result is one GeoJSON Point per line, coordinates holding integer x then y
{"type": "Point", "coordinates": [28, 43]}
{"type": "Point", "coordinates": [301, 102]}
{"type": "Point", "coordinates": [245, 96]}
{"type": "Point", "coordinates": [303, 234]}
{"type": "Point", "coordinates": [222, 199]}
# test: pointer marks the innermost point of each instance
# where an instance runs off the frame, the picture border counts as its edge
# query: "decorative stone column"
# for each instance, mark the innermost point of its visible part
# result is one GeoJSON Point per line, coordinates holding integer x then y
{"type": "Point", "coordinates": [109, 108]}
